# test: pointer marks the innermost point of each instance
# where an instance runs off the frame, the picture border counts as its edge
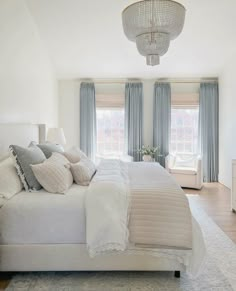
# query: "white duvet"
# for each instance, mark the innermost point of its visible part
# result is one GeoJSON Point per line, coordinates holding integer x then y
{"type": "Point", "coordinates": [138, 208]}
{"type": "Point", "coordinates": [44, 218]}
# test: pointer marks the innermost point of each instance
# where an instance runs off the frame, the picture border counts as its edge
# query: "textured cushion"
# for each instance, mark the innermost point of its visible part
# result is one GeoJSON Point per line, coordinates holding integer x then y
{"type": "Point", "coordinates": [184, 171]}
{"type": "Point", "coordinates": [54, 174]}
{"type": "Point", "coordinates": [185, 161]}
{"type": "Point", "coordinates": [25, 157]}
{"type": "Point", "coordinates": [10, 183]}
{"type": "Point", "coordinates": [74, 155]}
{"type": "Point", "coordinates": [83, 171]}
{"type": "Point", "coordinates": [49, 148]}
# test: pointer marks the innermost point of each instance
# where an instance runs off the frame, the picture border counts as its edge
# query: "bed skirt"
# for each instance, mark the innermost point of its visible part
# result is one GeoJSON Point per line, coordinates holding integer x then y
{"type": "Point", "coordinates": [28, 258]}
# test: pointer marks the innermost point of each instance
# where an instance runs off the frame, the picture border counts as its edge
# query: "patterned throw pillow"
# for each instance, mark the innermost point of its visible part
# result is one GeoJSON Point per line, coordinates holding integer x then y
{"type": "Point", "coordinates": [54, 174]}
{"type": "Point", "coordinates": [83, 171]}
{"type": "Point", "coordinates": [74, 155]}
{"type": "Point", "coordinates": [24, 157]}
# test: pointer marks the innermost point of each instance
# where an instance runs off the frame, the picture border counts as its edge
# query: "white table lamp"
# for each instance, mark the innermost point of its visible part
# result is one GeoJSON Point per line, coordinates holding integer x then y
{"type": "Point", "coordinates": [56, 135]}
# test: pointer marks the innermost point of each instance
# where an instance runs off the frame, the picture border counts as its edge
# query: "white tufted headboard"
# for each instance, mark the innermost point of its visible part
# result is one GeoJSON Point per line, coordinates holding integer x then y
{"type": "Point", "coordinates": [20, 134]}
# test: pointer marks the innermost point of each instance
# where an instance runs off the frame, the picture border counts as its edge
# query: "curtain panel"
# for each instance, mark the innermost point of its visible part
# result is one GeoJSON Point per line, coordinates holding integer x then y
{"type": "Point", "coordinates": [209, 130]}
{"type": "Point", "coordinates": [162, 119]}
{"type": "Point", "coordinates": [134, 119]}
{"type": "Point", "coordinates": [88, 134]}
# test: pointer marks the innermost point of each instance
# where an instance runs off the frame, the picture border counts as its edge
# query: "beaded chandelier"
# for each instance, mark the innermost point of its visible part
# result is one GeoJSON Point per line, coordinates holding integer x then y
{"type": "Point", "coordinates": [152, 24]}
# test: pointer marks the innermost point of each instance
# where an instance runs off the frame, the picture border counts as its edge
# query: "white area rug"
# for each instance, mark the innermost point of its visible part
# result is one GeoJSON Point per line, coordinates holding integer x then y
{"type": "Point", "coordinates": [219, 273]}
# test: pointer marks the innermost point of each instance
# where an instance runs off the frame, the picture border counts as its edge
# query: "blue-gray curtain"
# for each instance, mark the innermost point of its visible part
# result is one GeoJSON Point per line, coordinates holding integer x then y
{"type": "Point", "coordinates": [162, 119]}
{"type": "Point", "coordinates": [88, 136]}
{"type": "Point", "coordinates": [209, 130]}
{"type": "Point", "coordinates": [134, 119]}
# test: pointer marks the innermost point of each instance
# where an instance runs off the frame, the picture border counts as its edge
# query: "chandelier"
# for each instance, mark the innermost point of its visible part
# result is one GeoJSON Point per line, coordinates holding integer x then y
{"type": "Point", "coordinates": [152, 24]}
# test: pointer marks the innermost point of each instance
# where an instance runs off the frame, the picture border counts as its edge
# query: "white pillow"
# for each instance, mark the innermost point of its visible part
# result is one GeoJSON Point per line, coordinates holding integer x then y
{"type": "Point", "coordinates": [74, 155]}
{"type": "Point", "coordinates": [4, 156]}
{"type": "Point", "coordinates": [185, 161]}
{"type": "Point", "coordinates": [54, 174]}
{"type": "Point", "coordinates": [83, 171]}
{"type": "Point", "coordinates": [2, 201]}
{"type": "Point", "coordinates": [10, 183]}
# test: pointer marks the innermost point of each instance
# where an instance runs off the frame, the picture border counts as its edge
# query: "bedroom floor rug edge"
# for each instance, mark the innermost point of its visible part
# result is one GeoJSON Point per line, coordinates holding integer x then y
{"type": "Point", "coordinates": [219, 272]}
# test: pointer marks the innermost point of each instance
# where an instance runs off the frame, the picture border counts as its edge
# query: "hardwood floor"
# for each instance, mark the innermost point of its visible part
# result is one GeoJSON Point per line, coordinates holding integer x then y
{"type": "Point", "coordinates": [214, 198]}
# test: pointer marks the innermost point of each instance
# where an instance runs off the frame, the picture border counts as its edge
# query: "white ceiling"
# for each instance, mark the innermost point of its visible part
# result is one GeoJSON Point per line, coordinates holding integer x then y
{"type": "Point", "coordinates": [85, 39]}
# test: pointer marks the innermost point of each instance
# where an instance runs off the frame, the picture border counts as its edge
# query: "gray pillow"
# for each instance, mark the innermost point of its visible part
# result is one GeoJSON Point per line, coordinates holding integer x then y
{"type": "Point", "coordinates": [49, 148]}
{"type": "Point", "coordinates": [24, 157]}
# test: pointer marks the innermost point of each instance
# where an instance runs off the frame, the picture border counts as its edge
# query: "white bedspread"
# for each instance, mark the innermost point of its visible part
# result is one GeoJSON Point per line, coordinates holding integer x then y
{"type": "Point", "coordinates": [111, 195]}
{"type": "Point", "coordinates": [44, 218]}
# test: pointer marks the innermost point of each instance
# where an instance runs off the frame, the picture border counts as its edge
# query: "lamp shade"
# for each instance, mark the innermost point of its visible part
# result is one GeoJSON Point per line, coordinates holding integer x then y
{"type": "Point", "coordinates": [56, 135]}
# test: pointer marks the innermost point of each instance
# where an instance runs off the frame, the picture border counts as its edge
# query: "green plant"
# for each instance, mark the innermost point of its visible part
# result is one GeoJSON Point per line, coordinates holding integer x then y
{"type": "Point", "coordinates": [149, 151]}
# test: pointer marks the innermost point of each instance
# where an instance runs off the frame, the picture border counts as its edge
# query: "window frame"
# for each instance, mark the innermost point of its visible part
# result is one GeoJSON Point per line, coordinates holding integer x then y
{"type": "Point", "coordinates": [113, 154]}
{"type": "Point", "coordinates": [185, 107]}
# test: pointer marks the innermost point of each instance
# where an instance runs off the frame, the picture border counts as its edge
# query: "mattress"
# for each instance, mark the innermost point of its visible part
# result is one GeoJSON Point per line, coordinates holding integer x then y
{"type": "Point", "coordinates": [44, 218]}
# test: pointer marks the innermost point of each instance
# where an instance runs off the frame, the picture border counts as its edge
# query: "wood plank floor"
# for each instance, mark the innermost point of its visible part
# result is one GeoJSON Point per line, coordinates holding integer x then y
{"type": "Point", "coordinates": [214, 198]}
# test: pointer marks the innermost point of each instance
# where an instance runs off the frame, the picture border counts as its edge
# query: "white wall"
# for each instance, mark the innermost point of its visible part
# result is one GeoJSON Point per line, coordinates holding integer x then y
{"type": "Point", "coordinates": [69, 106]}
{"type": "Point", "coordinates": [28, 88]}
{"type": "Point", "coordinates": [69, 110]}
{"type": "Point", "coordinates": [227, 125]}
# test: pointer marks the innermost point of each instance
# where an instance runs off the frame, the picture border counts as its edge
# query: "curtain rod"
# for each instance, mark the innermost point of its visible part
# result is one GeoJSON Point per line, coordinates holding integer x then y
{"type": "Point", "coordinates": [187, 81]}
{"type": "Point", "coordinates": [154, 80]}
{"type": "Point", "coordinates": [116, 82]}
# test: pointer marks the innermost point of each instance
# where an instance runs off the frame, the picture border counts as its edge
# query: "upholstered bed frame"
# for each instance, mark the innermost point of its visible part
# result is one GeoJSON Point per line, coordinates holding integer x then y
{"type": "Point", "coordinates": [65, 257]}
{"type": "Point", "coordinates": [20, 134]}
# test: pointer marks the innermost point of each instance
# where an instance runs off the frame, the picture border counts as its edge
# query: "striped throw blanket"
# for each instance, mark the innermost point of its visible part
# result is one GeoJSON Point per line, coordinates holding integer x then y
{"type": "Point", "coordinates": [159, 210]}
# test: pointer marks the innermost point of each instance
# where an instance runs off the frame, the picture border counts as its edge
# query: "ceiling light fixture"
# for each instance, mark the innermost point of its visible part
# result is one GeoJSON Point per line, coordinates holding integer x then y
{"type": "Point", "coordinates": [152, 24]}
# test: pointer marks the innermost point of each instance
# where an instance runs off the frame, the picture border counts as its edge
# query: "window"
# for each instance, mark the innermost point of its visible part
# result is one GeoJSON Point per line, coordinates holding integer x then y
{"type": "Point", "coordinates": [110, 131]}
{"type": "Point", "coordinates": [184, 129]}
{"type": "Point", "coordinates": [110, 104]}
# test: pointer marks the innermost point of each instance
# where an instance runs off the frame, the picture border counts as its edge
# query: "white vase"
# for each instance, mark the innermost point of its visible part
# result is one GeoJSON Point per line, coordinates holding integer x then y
{"type": "Point", "coordinates": [147, 158]}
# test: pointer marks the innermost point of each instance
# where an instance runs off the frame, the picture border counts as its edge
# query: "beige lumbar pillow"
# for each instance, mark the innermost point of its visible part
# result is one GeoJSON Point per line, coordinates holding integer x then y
{"type": "Point", "coordinates": [74, 155]}
{"type": "Point", "coordinates": [83, 171]}
{"type": "Point", "coordinates": [54, 174]}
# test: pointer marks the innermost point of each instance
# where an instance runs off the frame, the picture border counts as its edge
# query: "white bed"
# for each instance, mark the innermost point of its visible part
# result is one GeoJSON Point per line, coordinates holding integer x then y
{"type": "Point", "coordinates": [47, 232]}
{"type": "Point", "coordinates": [42, 231]}
{"type": "Point", "coordinates": [44, 218]}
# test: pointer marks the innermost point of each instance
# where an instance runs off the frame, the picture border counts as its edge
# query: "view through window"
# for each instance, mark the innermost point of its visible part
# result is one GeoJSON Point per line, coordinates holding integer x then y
{"type": "Point", "coordinates": [184, 129]}
{"type": "Point", "coordinates": [110, 131]}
